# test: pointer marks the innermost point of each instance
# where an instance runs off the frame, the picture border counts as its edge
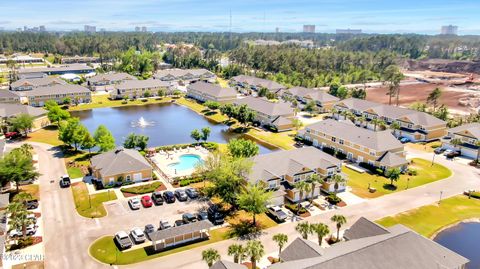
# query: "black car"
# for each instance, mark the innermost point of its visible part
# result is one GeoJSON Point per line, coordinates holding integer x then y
{"type": "Point", "coordinates": [65, 181]}
{"type": "Point", "coordinates": [187, 218]}
{"type": "Point", "coordinates": [178, 223]}
{"type": "Point", "coordinates": [164, 225]}
{"type": "Point", "coordinates": [149, 228]}
{"type": "Point", "coordinates": [157, 198]}
{"type": "Point", "coordinates": [32, 204]}
{"type": "Point", "coordinates": [181, 195]}
{"type": "Point", "coordinates": [192, 193]}
{"type": "Point", "coordinates": [202, 215]}
{"type": "Point", "coordinates": [169, 197]}
{"type": "Point", "coordinates": [214, 215]}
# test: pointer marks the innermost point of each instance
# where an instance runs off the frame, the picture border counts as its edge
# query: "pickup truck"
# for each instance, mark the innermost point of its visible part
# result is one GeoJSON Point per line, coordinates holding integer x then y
{"type": "Point", "coordinates": [277, 213]}
{"type": "Point", "coordinates": [32, 204]}
{"type": "Point", "coordinates": [123, 240]}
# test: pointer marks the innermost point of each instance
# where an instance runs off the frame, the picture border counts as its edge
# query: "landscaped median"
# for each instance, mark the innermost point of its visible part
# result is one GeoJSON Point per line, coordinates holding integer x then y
{"type": "Point", "coordinates": [90, 205]}
{"type": "Point", "coordinates": [426, 173]}
{"type": "Point", "coordinates": [430, 219]}
{"type": "Point", "coordinates": [143, 189]}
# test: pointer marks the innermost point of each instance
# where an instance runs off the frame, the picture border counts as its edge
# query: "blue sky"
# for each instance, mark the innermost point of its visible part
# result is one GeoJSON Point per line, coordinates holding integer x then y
{"type": "Point", "coordinates": [373, 16]}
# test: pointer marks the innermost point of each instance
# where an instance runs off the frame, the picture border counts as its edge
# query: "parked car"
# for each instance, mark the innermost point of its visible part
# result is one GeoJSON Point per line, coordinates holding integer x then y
{"type": "Point", "coordinates": [215, 216]}
{"type": "Point", "coordinates": [122, 240]}
{"type": "Point", "coordinates": [192, 193]}
{"type": "Point", "coordinates": [453, 154]}
{"type": "Point", "coordinates": [32, 204]}
{"type": "Point", "coordinates": [146, 201]}
{"type": "Point", "coordinates": [439, 150]}
{"type": "Point", "coordinates": [181, 195]}
{"type": "Point", "coordinates": [12, 135]}
{"type": "Point", "coordinates": [202, 215]}
{"type": "Point", "coordinates": [149, 228]}
{"type": "Point", "coordinates": [65, 181]}
{"type": "Point", "coordinates": [134, 203]}
{"type": "Point", "coordinates": [169, 197]}
{"type": "Point", "coordinates": [30, 230]}
{"type": "Point", "coordinates": [299, 144]}
{"type": "Point", "coordinates": [137, 235]}
{"type": "Point", "coordinates": [277, 213]}
{"type": "Point", "coordinates": [157, 198]}
{"type": "Point", "coordinates": [404, 139]}
{"type": "Point", "coordinates": [188, 217]}
{"type": "Point", "coordinates": [178, 222]}
{"type": "Point", "coordinates": [164, 225]}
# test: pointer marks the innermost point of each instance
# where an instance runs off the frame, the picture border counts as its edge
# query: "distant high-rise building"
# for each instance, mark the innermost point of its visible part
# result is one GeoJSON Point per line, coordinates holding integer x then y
{"type": "Point", "coordinates": [309, 28]}
{"type": "Point", "coordinates": [137, 28]}
{"type": "Point", "coordinates": [42, 28]}
{"type": "Point", "coordinates": [89, 29]}
{"type": "Point", "coordinates": [349, 31]}
{"type": "Point", "coordinates": [144, 29]}
{"type": "Point", "coordinates": [277, 30]}
{"type": "Point", "coordinates": [449, 30]}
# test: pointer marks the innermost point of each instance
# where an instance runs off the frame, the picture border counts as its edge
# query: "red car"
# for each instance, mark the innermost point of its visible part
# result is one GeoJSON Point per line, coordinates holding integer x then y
{"type": "Point", "coordinates": [12, 135]}
{"type": "Point", "coordinates": [146, 201]}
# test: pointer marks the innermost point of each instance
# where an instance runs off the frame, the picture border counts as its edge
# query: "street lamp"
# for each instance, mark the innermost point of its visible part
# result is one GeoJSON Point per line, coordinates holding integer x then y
{"type": "Point", "coordinates": [440, 200]}
{"type": "Point", "coordinates": [433, 158]}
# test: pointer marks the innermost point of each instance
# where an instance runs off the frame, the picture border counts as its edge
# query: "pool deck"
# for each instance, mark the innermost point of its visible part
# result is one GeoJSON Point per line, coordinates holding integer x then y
{"type": "Point", "coordinates": [163, 159]}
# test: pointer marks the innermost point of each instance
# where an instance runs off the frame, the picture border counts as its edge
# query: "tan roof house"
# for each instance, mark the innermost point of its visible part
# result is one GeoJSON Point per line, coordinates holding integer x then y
{"type": "Point", "coordinates": [324, 100]}
{"type": "Point", "coordinates": [138, 88]}
{"type": "Point", "coordinates": [108, 79]}
{"type": "Point", "coordinates": [8, 111]}
{"type": "Point", "coordinates": [57, 92]}
{"type": "Point", "coordinates": [185, 76]}
{"type": "Point", "coordinates": [204, 91]}
{"type": "Point", "coordinates": [30, 84]}
{"type": "Point", "coordinates": [469, 136]}
{"type": "Point", "coordinates": [120, 165]}
{"type": "Point", "coordinates": [249, 83]}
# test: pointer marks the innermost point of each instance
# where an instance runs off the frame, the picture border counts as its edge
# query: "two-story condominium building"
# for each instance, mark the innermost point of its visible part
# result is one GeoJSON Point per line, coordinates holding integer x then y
{"type": "Point", "coordinates": [469, 136]}
{"type": "Point", "coordinates": [138, 88]}
{"type": "Point", "coordinates": [185, 76]}
{"type": "Point", "coordinates": [9, 111]}
{"type": "Point", "coordinates": [39, 72]}
{"type": "Point", "coordinates": [276, 115]}
{"type": "Point", "coordinates": [30, 84]}
{"type": "Point", "coordinates": [10, 97]}
{"type": "Point", "coordinates": [58, 92]}
{"type": "Point", "coordinates": [102, 80]}
{"type": "Point", "coordinates": [80, 60]}
{"type": "Point", "coordinates": [324, 100]}
{"type": "Point", "coordinates": [280, 170]}
{"type": "Point", "coordinates": [247, 84]}
{"type": "Point", "coordinates": [415, 125]}
{"type": "Point", "coordinates": [204, 91]}
{"type": "Point", "coordinates": [360, 145]}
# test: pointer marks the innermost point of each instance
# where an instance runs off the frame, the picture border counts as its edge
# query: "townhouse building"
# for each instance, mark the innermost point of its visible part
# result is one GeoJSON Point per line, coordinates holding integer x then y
{"type": "Point", "coordinates": [185, 76]}
{"type": "Point", "coordinates": [39, 72]}
{"type": "Point", "coordinates": [9, 111]}
{"type": "Point", "coordinates": [10, 97]}
{"type": "Point", "coordinates": [324, 100]}
{"type": "Point", "coordinates": [414, 125]}
{"type": "Point", "coordinates": [58, 92]}
{"type": "Point", "coordinates": [29, 84]}
{"type": "Point", "coordinates": [380, 149]}
{"type": "Point", "coordinates": [204, 91]}
{"type": "Point", "coordinates": [247, 84]}
{"type": "Point", "coordinates": [469, 136]}
{"type": "Point", "coordinates": [139, 88]}
{"type": "Point", "coordinates": [102, 81]}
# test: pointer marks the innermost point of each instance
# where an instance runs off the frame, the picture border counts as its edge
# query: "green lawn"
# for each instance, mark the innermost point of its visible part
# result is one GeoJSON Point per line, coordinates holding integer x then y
{"type": "Point", "coordinates": [33, 189]}
{"type": "Point", "coordinates": [74, 172]}
{"type": "Point", "coordinates": [242, 216]}
{"type": "Point", "coordinates": [90, 207]}
{"type": "Point", "coordinates": [99, 101]}
{"type": "Point", "coordinates": [141, 189]}
{"type": "Point", "coordinates": [104, 249]}
{"type": "Point", "coordinates": [200, 109]}
{"type": "Point", "coordinates": [428, 220]}
{"type": "Point", "coordinates": [47, 135]}
{"type": "Point", "coordinates": [426, 174]}
{"type": "Point", "coordinates": [284, 140]}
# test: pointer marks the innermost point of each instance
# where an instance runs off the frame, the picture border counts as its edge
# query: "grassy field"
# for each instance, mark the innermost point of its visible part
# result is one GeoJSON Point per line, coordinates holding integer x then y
{"type": "Point", "coordinates": [428, 147]}
{"type": "Point", "coordinates": [47, 135]}
{"type": "Point", "coordinates": [99, 101]}
{"type": "Point", "coordinates": [90, 206]}
{"type": "Point", "coordinates": [104, 249]}
{"type": "Point", "coordinates": [74, 172]}
{"type": "Point", "coordinates": [242, 216]}
{"type": "Point", "coordinates": [217, 117]}
{"type": "Point", "coordinates": [33, 189]}
{"type": "Point", "coordinates": [428, 220]}
{"type": "Point", "coordinates": [282, 140]}
{"type": "Point", "coordinates": [426, 174]}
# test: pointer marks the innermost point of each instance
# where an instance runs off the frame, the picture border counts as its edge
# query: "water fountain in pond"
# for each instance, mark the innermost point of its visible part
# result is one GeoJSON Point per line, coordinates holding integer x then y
{"type": "Point", "coordinates": [142, 123]}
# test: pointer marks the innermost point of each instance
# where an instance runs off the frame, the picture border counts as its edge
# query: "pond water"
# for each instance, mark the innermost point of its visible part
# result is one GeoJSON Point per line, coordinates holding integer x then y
{"type": "Point", "coordinates": [463, 238]}
{"type": "Point", "coordinates": [164, 124]}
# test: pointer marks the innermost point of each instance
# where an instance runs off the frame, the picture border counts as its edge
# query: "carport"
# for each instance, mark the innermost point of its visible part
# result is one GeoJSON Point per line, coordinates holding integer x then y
{"type": "Point", "coordinates": [183, 234]}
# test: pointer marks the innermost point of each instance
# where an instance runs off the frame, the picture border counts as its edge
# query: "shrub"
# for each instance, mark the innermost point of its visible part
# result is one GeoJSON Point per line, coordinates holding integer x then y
{"type": "Point", "coordinates": [341, 155]}
{"type": "Point", "coordinates": [412, 172]}
{"type": "Point", "coordinates": [144, 100]}
{"type": "Point", "coordinates": [294, 208]}
{"type": "Point", "coordinates": [142, 189]}
{"type": "Point", "coordinates": [22, 243]}
{"type": "Point", "coordinates": [328, 150]}
{"type": "Point", "coordinates": [475, 194]}
{"type": "Point", "coordinates": [124, 102]}
{"type": "Point", "coordinates": [379, 171]}
{"type": "Point", "coordinates": [333, 199]}
{"type": "Point", "coordinates": [187, 181]}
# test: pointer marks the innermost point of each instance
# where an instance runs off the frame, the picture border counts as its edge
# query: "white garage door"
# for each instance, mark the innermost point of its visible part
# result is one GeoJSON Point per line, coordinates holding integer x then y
{"type": "Point", "coordinates": [137, 177]}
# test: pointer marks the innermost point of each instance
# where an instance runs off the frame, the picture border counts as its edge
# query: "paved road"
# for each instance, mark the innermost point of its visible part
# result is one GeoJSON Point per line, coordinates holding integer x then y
{"type": "Point", "coordinates": [67, 235]}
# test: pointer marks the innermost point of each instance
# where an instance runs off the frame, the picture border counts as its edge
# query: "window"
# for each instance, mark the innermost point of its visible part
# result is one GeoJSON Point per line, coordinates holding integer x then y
{"type": "Point", "coordinates": [341, 142]}
{"type": "Point", "coordinates": [334, 139]}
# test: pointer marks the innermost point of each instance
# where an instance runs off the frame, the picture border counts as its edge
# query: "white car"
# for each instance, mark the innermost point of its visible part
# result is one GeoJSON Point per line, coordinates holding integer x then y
{"type": "Point", "coordinates": [31, 230]}
{"type": "Point", "coordinates": [446, 152]}
{"type": "Point", "coordinates": [137, 235]}
{"type": "Point", "coordinates": [134, 203]}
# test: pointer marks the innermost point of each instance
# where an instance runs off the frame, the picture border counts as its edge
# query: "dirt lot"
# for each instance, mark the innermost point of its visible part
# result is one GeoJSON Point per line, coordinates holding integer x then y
{"type": "Point", "coordinates": [419, 92]}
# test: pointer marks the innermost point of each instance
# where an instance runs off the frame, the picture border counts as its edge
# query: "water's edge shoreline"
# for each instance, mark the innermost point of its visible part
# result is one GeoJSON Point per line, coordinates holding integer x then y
{"type": "Point", "coordinates": [470, 220]}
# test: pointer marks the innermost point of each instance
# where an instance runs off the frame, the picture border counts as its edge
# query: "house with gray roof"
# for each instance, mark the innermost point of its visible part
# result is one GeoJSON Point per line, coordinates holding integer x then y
{"type": "Point", "coordinates": [324, 100]}
{"type": "Point", "coordinates": [469, 136]}
{"type": "Point", "coordinates": [247, 84]}
{"type": "Point", "coordinates": [360, 145]}
{"type": "Point", "coordinates": [39, 72]}
{"type": "Point", "coordinates": [120, 165]}
{"type": "Point", "coordinates": [415, 125]}
{"type": "Point", "coordinates": [141, 88]}
{"type": "Point", "coordinates": [57, 92]}
{"type": "Point", "coordinates": [7, 96]}
{"type": "Point", "coordinates": [277, 115]}
{"type": "Point", "coordinates": [396, 248]}
{"type": "Point", "coordinates": [185, 76]}
{"type": "Point", "coordinates": [301, 249]}
{"type": "Point", "coordinates": [204, 91]}
{"type": "Point", "coordinates": [280, 170]}
{"type": "Point", "coordinates": [9, 111]}
{"type": "Point", "coordinates": [103, 80]}
{"type": "Point", "coordinates": [30, 84]}
{"type": "Point", "coordinates": [223, 264]}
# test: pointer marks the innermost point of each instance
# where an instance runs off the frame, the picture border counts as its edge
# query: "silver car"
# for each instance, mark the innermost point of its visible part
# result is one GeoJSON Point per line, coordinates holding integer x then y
{"type": "Point", "coordinates": [137, 235]}
{"type": "Point", "coordinates": [134, 203]}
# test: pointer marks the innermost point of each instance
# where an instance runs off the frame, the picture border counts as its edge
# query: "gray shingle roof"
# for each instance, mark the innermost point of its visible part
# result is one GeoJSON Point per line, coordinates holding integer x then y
{"type": "Point", "coordinates": [12, 110]}
{"type": "Point", "coordinates": [266, 107]}
{"type": "Point", "coordinates": [212, 89]}
{"type": "Point", "coordinates": [392, 112]}
{"type": "Point", "coordinates": [258, 82]}
{"type": "Point", "coordinates": [37, 82]}
{"type": "Point", "coordinates": [55, 89]}
{"type": "Point", "coordinates": [390, 159]}
{"type": "Point", "coordinates": [289, 162]}
{"type": "Point", "coordinates": [119, 161]}
{"type": "Point", "coordinates": [8, 94]}
{"type": "Point", "coordinates": [380, 141]}
{"type": "Point", "coordinates": [316, 95]}
{"type": "Point", "coordinates": [472, 128]}
{"type": "Point", "coordinates": [364, 228]}
{"type": "Point", "coordinates": [111, 77]}
{"type": "Point", "coordinates": [181, 230]}
{"type": "Point", "coordinates": [143, 84]}
{"type": "Point", "coordinates": [301, 249]}
{"type": "Point", "coordinates": [179, 73]}
{"type": "Point", "coordinates": [223, 264]}
{"type": "Point", "coordinates": [63, 68]}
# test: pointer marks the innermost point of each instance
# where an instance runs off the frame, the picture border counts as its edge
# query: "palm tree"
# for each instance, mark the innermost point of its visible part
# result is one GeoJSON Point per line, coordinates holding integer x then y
{"type": "Point", "coordinates": [254, 199]}
{"type": "Point", "coordinates": [237, 251]}
{"type": "Point", "coordinates": [456, 142]}
{"type": "Point", "coordinates": [303, 187]}
{"type": "Point", "coordinates": [375, 122]}
{"type": "Point", "coordinates": [281, 240]}
{"type": "Point", "coordinates": [321, 230]}
{"type": "Point", "coordinates": [304, 229]}
{"type": "Point", "coordinates": [393, 174]}
{"type": "Point", "coordinates": [255, 251]}
{"type": "Point", "coordinates": [395, 126]}
{"type": "Point", "coordinates": [337, 179]}
{"type": "Point", "coordinates": [210, 256]}
{"type": "Point", "coordinates": [339, 220]}
{"type": "Point", "coordinates": [26, 149]}
{"type": "Point", "coordinates": [334, 111]}
{"type": "Point", "coordinates": [19, 217]}
{"type": "Point", "coordinates": [22, 197]}
{"type": "Point", "coordinates": [361, 120]}
{"type": "Point", "coordinates": [313, 179]}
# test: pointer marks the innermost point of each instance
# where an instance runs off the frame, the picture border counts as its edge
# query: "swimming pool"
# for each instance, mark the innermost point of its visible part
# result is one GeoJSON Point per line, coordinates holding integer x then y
{"type": "Point", "coordinates": [186, 162]}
